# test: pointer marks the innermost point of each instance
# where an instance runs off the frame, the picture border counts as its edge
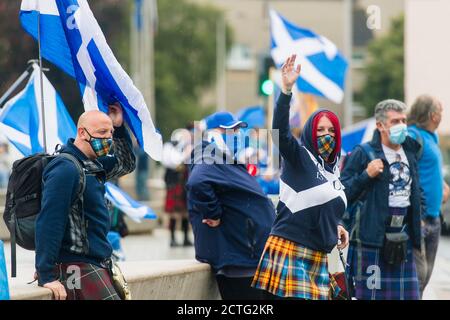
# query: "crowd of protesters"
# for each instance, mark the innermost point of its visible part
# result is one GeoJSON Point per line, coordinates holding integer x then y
{"type": "Point", "coordinates": [383, 203]}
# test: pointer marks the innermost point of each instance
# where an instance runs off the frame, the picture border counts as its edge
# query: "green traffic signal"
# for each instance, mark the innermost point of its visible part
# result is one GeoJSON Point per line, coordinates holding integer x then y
{"type": "Point", "coordinates": [267, 87]}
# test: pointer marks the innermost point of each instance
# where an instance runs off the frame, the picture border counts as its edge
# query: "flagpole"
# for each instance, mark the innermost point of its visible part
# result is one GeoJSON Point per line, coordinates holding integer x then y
{"type": "Point", "coordinates": [14, 86]}
{"type": "Point", "coordinates": [42, 85]}
{"type": "Point", "coordinates": [348, 47]}
{"type": "Point", "coordinates": [221, 64]}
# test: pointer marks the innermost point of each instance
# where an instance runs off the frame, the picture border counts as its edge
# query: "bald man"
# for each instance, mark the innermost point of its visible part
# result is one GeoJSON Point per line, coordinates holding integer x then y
{"type": "Point", "coordinates": [72, 250]}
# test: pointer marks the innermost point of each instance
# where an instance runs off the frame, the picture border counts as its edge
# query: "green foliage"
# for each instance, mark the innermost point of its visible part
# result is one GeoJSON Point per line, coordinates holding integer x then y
{"type": "Point", "coordinates": [185, 61]}
{"type": "Point", "coordinates": [385, 70]}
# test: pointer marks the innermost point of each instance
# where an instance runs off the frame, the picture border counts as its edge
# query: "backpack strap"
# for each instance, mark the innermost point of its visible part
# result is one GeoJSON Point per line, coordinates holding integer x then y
{"type": "Point", "coordinates": [12, 225]}
{"type": "Point", "coordinates": [81, 173]}
{"type": "Point", "coordinates": [368, 150]}
{"type": "Point", "coordinates": [419, 139]}
{"type": "Point", "coordinates": [370, 153]}
{"type": "Point", "coordinates": [79, 199]}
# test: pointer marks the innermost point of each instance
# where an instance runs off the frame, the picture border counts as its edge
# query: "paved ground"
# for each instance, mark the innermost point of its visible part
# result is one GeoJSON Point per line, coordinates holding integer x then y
{"type": "Point", "coordinates": [156, 247]}
{"type": "Point", "coordinates": [439, 287]}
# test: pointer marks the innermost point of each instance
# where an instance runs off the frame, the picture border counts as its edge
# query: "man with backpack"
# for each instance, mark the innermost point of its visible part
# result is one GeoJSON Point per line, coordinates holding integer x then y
{"type": "Point", "coordinates": [381, 177]}
{"type": "Point", "coordinates": [423, 120]}
{"type": "Point", "coordinates": [72, 250]}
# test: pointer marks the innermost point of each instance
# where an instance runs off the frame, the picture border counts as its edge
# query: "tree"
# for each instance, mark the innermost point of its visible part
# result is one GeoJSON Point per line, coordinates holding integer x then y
{"type": "Point", "coordinates": [185, 61]}
{"type": "Point", "coordinates": [385, 70]}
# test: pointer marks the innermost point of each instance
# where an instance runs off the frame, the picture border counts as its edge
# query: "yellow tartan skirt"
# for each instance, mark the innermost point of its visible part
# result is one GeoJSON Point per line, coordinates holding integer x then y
{"type": "Point", "coordinates": [287, 269]}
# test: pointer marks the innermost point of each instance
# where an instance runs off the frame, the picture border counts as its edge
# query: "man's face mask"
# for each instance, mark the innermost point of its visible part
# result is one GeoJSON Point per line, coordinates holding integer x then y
{"type": "Point", "coordinates": [326, 145]}
{"type": "Point", "coordinates": [234, 140]}
{"type": "Point", "coordinates": [101, 146]}
{"type": "Point", "coordinates": [398, 133]}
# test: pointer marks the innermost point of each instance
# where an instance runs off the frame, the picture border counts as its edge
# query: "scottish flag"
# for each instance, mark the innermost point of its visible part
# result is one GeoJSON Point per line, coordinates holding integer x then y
{"type": "Point", "coordinates": [4, 289]}
{"type": "Point", "coordinates": [323, 67]}
{"type": "Point", "coordinates": [21, 117]}
{"type": "Point", "coordinates": [357, 133]}
{"type": "Point", "coordinates": [21, 123]}
{"type": "Point", "coordinates": [254, 116]}
{"type": "Point", "coordinates": [72, 39]}
{"type": "Point", "coordinates": [124, 202]}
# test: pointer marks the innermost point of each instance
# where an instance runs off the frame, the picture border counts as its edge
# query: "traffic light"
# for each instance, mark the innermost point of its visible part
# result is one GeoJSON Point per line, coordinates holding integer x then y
{"type": "Point", "coordinates": [265, 85]}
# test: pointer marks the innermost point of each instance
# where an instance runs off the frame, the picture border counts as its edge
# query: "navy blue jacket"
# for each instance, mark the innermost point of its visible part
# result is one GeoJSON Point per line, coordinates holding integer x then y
{"type": "Point", "coordinates": [374, 192]}
{"type": "Point", "coordinates": [227, 192]}
{"type": "Point", "coordinates": [60, 185]}
{"type": "Point", "coordinates": [312, 201]}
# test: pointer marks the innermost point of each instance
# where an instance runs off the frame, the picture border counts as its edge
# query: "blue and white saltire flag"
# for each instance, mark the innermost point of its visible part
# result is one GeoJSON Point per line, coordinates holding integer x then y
{"type": "Point", "coordinates": [254, 116]}
{"type": "Point", "coordinates": [357, 133]}
{"type": "Point", "coordinates": [4, 289]}
{"type": "Point", "coordinates": [21, 123]}
{"type": "Point", "coordinates": [323, 67]}
{"type": "Point", "coordinates": [124, 202]}
{"type": "Point", "coordinates": [21, 117]}
{"type": "Point", "coordinates": [72, 39]}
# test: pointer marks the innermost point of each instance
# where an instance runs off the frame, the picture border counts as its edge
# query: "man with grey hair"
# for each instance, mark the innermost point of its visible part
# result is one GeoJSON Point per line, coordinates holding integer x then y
{"type": "Point", "coordinates": [382, 187]}
{"type": "Point", "coordinates": [423, 120]}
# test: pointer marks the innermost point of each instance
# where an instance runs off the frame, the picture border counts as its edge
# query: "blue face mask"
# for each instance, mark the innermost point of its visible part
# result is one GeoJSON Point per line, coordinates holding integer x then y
{"type": "Point", "coordinates": [234, 141]}
{"type": "Point", "coordinates": [398, 133]}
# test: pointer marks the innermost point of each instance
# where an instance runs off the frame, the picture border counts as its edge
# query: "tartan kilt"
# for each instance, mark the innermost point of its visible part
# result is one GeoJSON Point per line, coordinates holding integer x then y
{"type": "Point", "coordinates": [176, 199]}
{"type": "Point", "coordinates": [287, 269]}
{"type": "Point", "coordinates": [394, 283]}
{"type": "Point", "coordinates": [94, 283]}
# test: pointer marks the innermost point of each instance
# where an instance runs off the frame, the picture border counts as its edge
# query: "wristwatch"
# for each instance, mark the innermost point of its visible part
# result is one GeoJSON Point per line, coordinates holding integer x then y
{"type": "Point", "coordinates": [287, 92]}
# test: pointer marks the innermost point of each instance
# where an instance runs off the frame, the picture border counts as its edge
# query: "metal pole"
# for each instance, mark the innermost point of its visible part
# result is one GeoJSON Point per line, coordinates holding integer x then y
{"type": "Point", "coordinates": [14, 86]}
{"type": "Point", "coordinates": [270, 110]}
{"type": "Point", "coordinates": [42, 85]}
{"type": "Point", "coordinates": [151, 57]}
{"type": "Point", "coordinates": [220, 63]}
{"type": "Point", "coordinates": [348, 49]}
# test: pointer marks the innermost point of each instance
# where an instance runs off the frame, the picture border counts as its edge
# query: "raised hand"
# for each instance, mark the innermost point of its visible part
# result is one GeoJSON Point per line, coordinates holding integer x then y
{"type": "Point", "coordinates": [115, 112]}
{"type": "Point", "coordinates": [289, 75]}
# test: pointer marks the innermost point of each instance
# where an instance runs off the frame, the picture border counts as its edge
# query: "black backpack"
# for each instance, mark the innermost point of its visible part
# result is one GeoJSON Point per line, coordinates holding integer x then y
{"type": "Point", "coordinates": [354, 208]}
{"type": "Point", "coordinates": [23, 199]}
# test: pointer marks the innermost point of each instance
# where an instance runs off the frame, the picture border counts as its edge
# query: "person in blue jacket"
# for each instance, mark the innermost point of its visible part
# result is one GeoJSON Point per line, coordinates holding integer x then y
{"type": "Point", "coordinates": [73, 254]}
{"type": "Point", "coordinates": [423, 121]}
{"type": "Point", "coordinates": [230, 214]}
{"type": "Point", "coordinates": [386, 183]}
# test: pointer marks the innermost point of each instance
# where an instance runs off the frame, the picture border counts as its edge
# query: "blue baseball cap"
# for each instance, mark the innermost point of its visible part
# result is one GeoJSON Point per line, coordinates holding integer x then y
{"type": "Point", "coordinates": [224, 120]}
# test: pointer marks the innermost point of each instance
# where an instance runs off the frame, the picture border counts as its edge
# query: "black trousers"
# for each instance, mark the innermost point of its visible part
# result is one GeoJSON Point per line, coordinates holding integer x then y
{"type": "Point", "coordinates": [238, 289]}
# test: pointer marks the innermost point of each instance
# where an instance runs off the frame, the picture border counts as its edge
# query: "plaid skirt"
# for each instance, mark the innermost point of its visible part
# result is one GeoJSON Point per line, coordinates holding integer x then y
{"type": "Point", "coordinates": [376, 280]}
{"type": "Point", "coordinates": [287, 269]}
{"type": "Point", "coordinates": [84, 281]}
{"type": "Point", "coordinates": [176, 199]}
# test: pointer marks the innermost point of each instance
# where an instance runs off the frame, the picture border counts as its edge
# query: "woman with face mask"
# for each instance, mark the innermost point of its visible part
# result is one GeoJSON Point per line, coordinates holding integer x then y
{"type": "Point", "coordinates": [312, 201]}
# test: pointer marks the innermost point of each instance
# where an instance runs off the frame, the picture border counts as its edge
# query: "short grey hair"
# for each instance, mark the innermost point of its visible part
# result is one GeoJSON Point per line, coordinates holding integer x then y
{"type": "Point", "coordinates": [422, 109]}
{"type": "Point", "coordinates": [388, 105]}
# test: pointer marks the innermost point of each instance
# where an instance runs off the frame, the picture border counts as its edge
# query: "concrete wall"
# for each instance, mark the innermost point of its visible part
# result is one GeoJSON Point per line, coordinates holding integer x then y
{"type": "Point", "coordinates": [427, 53]}
{"type": "Point", "coordinates": [150, 280]}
